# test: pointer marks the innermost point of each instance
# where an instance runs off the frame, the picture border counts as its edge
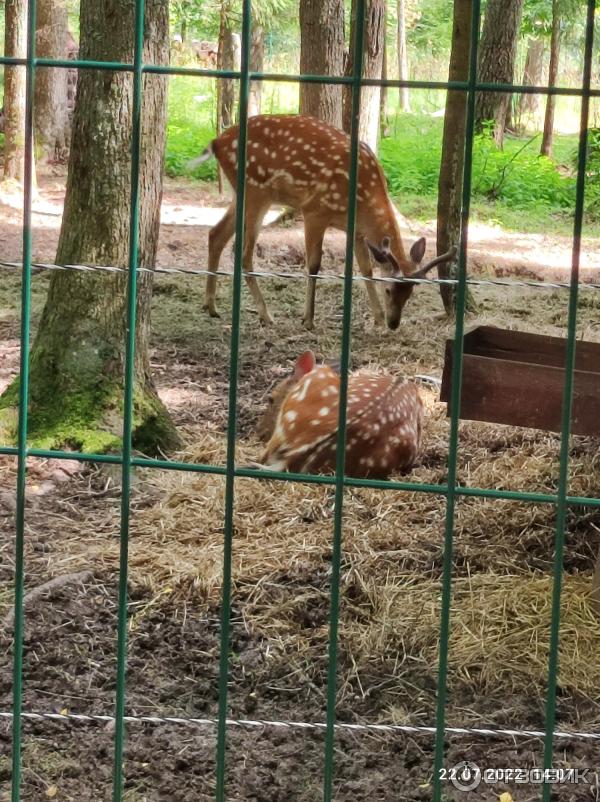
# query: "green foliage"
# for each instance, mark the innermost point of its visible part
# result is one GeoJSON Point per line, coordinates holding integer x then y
{"type": "Point", "coordinates": [432, 31]}
{"type": "Point", "coordinates": [592, 173]}
{"type": "Point", "coordinates": [190, 126]}
{"type": "Point", "coordinates": [516, 176]}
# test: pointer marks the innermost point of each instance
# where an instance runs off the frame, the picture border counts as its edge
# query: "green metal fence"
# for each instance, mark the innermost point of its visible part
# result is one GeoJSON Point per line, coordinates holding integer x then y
{"type": "Point", "coordinates": [127, 460]}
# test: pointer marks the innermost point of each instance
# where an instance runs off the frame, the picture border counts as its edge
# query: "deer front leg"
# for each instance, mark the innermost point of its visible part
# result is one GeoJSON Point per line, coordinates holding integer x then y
{"type": "Point", "coordinates": [313, 237]}
{"type": "Point", "coordinates": [255, 214]}
{"type": "Point", "coordinates": [365, 265]}
{"type": "Point", "coordinates": [218, 237]}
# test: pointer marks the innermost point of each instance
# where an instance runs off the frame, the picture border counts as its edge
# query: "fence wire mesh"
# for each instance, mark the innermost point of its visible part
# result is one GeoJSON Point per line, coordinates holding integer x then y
{"type": "Point", "coordinates": [127, 460]}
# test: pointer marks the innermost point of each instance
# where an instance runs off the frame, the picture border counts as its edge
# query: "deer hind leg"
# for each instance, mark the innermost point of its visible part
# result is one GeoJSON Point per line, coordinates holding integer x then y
{"type": "Point", "coordinates": [365, 265]}
{"type": "Point", "coordinates": [255, 214]}
{"type": "Point", "coordinates": [218, 237]}
{"type": "Point", "coordinates": [313, 237]}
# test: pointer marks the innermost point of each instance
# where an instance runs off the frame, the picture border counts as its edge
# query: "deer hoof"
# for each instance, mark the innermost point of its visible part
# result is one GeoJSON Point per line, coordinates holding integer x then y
{"type": "Point", "coordinates": [308, 324]}
{"type": "Point", "coordinates": [211, 310]}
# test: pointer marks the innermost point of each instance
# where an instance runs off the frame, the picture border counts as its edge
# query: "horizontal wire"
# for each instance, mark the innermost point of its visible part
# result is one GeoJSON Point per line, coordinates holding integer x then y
{"type": "Point", "coordinates": [547, 285]}
{"type": "Point", "coordinates": [200, 72]}
{"type": "Point", "coordinates": [389, 729]}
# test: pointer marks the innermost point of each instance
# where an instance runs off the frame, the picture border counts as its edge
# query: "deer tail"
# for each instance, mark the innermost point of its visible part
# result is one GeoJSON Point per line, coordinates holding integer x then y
{"type": "Point", "coordinates": [206, 154]}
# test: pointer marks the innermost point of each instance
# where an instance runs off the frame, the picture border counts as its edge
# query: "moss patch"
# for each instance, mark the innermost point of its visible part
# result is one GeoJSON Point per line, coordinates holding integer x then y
{"type": "Point", "coordinates": [90, 422]}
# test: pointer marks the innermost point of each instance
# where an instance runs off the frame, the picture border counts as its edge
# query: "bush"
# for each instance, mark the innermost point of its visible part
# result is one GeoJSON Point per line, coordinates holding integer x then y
{"type": "Point", "coordinates": [516, 176]}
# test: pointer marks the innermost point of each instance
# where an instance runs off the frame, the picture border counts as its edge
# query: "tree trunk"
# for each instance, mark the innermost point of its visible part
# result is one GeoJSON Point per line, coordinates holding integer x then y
{"type": "Point", "coordinates": [453, 152]}
{"type": "Point", "coordinates": [383, 107]}
{"type": "Point", "coordinates": [51, 110]}
{"type": "Point", "coordinates": [257, 64]}
{"type": "Point", "coordinates": [403, 56]}
{"type": "Point", "coordinates": [225, 86]}
{"type": "Point", "coordinates": [496, 63]}
{"type": "Point", "coordinates": [322, 53]}
{"type": "Point", "coordinates": [15, 44]}
{"type": "Point", "coordinates": [77, 359]}
{"type": "Point", "coordinates": [546, 149]}
{"type": "Point", "coordinates": [532, 76]}
{"type": "Point", "coordinates": [372, 68]}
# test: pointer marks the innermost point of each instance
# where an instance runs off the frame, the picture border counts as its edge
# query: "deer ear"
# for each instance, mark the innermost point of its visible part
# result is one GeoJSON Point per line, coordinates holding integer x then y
{"type": "Point", "coordinates": [304, 364]}
{"type": "Point", "coordinates": [378, 254]}
{"type": "Point", "coordinates": [417, 252]}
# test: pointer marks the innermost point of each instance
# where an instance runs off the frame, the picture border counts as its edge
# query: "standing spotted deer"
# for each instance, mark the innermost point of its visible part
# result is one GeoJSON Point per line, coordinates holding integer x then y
{"type": "Point", "coordinates": [384, 422]}
{"type": "Point", "coordinates": [304, 164]}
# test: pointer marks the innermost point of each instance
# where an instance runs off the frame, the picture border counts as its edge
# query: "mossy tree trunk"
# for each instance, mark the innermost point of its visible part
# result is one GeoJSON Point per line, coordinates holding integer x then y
{"type": "Point", "coordinates": [453, 152]}
{"type": "Point", "coordinates": [77, 360]}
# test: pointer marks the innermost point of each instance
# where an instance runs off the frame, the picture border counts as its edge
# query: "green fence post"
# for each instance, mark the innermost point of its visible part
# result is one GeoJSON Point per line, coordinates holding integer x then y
{"type": "Point", "coordinates": [455, 414]}
{"type": "Point", "coordinates": [19, 619]}
{"type": "Point", "coordinates": [232, 414]}
{"type": "Point", "coordinates": [336, 555]}
{"type": "Point", "coordinates": [136, 137]}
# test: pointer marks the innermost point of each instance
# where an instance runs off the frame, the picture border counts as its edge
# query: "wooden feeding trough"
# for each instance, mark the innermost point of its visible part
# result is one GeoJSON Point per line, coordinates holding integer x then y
{"type": "Point", "coordinates": [517, 378]}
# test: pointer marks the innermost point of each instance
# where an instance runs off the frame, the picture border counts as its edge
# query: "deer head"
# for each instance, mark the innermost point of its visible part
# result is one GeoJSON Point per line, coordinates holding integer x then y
{"type": "Point", "coordinates": [266, 423]}
{"type": "Point", "coordinates": [397, 293]}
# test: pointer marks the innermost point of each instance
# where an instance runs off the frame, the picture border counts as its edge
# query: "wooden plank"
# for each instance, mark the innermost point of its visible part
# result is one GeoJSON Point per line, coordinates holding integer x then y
{"type": "Point", "coordinates": [527, 347]}
{"type": "Point", "coordinates": [521, 392]}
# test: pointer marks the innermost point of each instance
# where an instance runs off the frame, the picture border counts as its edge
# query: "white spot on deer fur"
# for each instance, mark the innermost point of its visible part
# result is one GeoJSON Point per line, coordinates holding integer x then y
{"type": "Point", "coordinates": [266, 130]}
{"type": "Point", "coordinates": [291, 415]}
{"type": "Point", "coordinates": [301, 395]}
{"type": "Point", "coordinates": [316, 422]}
{"type": "Point", "coordinates": [324, 411]}
{"type": "Point", "coordinates": [234, 144]}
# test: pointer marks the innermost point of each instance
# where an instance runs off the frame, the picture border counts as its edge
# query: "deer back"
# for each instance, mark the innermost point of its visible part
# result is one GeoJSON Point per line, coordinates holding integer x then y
{"type": "Point", "coordinates": [304, 163]}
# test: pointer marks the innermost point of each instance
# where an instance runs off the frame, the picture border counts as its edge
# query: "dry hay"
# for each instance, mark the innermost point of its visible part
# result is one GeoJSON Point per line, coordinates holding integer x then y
{"type": "Point", "coordinates": [392, 560]}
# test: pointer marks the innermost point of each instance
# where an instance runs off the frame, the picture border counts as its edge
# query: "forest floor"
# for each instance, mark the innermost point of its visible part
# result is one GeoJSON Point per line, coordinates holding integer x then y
{"type": "Point", "coordinates": [392, 553]}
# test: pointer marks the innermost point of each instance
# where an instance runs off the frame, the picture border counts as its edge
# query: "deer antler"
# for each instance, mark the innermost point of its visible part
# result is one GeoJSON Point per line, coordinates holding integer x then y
{"type": "Point", "coordinates": [444, 257]}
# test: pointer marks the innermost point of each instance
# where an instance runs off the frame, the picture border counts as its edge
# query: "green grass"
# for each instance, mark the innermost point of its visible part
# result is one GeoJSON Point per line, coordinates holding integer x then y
{"type": "Point", "coordinates": [190, 125]}
{"type": "Point", "coordinates": [514, 187]}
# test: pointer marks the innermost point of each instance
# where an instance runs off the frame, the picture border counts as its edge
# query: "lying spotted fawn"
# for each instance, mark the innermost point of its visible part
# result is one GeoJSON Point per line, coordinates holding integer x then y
{"type": "Point", "coordinates": [384, 422]}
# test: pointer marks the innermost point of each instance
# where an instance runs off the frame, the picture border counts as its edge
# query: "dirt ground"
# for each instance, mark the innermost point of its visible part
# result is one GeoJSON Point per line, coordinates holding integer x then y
{"type": "Point", "coordinates": [391, 566]}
